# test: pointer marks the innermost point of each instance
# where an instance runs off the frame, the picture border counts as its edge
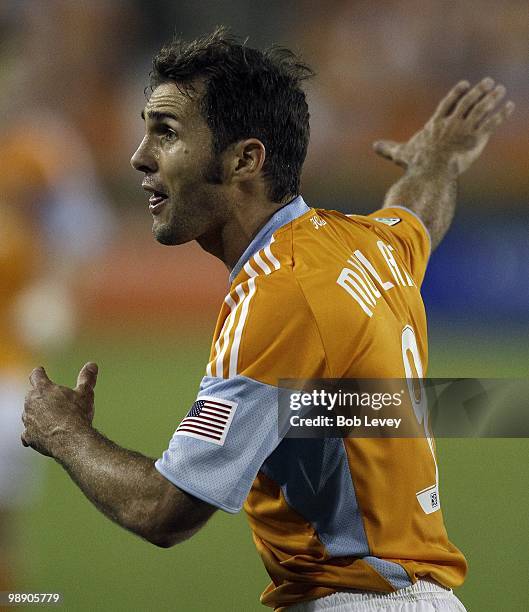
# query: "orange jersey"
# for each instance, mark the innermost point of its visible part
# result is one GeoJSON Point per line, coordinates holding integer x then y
{"type": "Point", "coordinates": [318, 294]}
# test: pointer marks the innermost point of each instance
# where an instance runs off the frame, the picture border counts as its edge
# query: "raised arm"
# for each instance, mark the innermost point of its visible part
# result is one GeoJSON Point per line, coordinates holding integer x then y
{"type": "Point", "coordinates": [449, 143]}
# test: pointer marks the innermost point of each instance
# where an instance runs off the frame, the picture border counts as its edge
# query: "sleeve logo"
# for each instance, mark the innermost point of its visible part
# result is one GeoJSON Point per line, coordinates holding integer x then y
{"type": "Point", "coordinates": [389, 220]}
{"type": "Point", "coordinates": [209, 419]}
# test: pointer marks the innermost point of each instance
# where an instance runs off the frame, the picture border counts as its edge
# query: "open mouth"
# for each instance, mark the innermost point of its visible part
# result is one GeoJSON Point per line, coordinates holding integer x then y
{"type": "Point", "coordinates": [156, 198]}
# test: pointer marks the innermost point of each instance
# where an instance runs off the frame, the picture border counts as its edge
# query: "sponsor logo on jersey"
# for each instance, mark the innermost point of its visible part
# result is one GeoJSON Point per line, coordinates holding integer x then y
{"type": "Point", "coordinates": [389, 220]}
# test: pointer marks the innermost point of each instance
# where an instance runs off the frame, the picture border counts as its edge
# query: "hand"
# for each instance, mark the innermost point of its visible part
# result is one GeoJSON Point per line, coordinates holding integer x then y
{"type": "Point", "coordinates": [52, 412]}
{"type": "Point", "coordinates": [457, 132]}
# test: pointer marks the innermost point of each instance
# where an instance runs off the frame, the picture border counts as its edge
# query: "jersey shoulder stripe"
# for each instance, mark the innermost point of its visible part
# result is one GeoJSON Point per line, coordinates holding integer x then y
{"type": "Point", "coordinates": [225, 353]}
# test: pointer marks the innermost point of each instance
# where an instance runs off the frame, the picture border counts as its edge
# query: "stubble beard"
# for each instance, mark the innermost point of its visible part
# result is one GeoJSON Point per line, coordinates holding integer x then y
{"type": "Point", "coordinates": [166, 235]}
{"type": "Point", "coordinates": [179, 228]}
{"type": "Point", "coordinates": [184, 224]}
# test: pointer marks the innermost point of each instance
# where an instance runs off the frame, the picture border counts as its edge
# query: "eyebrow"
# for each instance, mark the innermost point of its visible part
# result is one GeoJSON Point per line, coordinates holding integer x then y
{"type": "Point", "coordinates": [158, 116]}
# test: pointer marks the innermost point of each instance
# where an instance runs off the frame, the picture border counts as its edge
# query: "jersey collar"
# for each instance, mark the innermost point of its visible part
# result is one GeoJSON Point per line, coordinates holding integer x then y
{"type": "Point", "coordinates": [294, 209]}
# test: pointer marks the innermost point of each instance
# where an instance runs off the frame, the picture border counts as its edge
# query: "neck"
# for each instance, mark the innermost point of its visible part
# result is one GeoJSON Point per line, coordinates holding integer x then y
{"type": "Point", "coordinates": [229, 242]}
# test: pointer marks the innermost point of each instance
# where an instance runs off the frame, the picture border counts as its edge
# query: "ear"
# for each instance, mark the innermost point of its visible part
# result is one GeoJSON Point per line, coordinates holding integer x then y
{"type": "Point", "coordinates": [248, 157]}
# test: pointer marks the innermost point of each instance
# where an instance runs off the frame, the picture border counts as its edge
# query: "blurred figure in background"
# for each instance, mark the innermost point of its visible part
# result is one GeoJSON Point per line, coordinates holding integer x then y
{"type": "Point", "coordinates": [70, 212]}
{"type": "Point", "coordinates": [54, 217]}
{"type": "Point", "coordinates": [18, 267]}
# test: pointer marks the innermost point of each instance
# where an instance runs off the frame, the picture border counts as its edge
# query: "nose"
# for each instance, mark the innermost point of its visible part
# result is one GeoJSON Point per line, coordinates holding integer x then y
{"type": "Point", "coordinates": [143, 160]}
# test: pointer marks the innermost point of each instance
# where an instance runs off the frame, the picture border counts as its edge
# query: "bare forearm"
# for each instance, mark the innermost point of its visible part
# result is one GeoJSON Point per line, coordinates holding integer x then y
{"type": "Point", "coordinates": [124, 485]}
{"type": "Point", "coordinates": [431, 193]}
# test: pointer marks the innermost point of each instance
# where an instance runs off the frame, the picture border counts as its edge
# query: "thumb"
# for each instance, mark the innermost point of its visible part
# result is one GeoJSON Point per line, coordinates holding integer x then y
{"type": "Point", "coordinates": [87, 377]}
{"type": "Point", "coordinates": [386, 148]}
{"type": "Point", "coordinates": [39, 377]}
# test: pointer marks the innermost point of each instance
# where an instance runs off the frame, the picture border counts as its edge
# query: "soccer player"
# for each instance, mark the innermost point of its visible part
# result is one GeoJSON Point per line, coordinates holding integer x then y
{"type": "Point", "coordinates": [341, 524]}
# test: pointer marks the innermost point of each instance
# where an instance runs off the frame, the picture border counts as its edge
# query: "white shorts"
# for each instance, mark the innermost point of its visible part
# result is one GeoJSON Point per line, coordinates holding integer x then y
{"type": "Point", "coordinates": [423, 596]}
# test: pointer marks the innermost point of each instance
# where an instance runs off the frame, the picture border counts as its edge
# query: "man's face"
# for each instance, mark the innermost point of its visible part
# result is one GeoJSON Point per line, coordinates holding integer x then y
{"type": "Point", "coordinates": [181, 173]}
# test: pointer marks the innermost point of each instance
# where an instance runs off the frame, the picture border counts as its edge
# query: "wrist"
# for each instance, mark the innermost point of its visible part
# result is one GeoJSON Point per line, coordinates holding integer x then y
{"type": "Point", "coordinates": [69, 440]}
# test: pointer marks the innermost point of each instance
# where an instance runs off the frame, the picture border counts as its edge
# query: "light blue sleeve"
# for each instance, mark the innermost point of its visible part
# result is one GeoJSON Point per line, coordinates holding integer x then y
{"type": "Point", "coordinates": [222, 473]}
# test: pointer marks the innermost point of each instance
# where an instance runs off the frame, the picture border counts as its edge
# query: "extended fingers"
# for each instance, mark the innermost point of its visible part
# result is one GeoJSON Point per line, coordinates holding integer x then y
{"type": "Point", "coordinates": [477, 105]}
{"type": "Point", "coordinates": [477, 114]}
{"type": "Point", "coordinates": [469, 100]}
{"type": "Point", "coordinates": [495, 120]}
{"type": "Point", "coordinates": [447, 104]}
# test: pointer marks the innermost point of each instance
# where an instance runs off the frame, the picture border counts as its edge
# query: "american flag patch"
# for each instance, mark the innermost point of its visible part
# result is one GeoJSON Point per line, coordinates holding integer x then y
{"type": "Point", "coordinates": [209, 419]}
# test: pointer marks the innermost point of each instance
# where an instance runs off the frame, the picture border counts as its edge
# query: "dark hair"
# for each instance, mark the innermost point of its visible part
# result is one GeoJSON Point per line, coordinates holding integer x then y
{"type": "Point", "coordinates": [248, 94]}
